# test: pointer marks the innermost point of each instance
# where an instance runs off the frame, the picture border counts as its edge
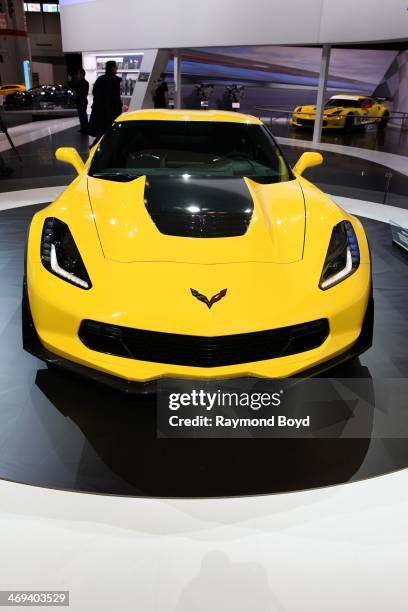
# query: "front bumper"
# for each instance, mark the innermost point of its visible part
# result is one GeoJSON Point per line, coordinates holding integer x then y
{"type": "Point", "coordinates": [155, 295]}
{"type": "Point", "coordinates": [33, 344]}
{"type": "Point", "coordinates": [335, 122]}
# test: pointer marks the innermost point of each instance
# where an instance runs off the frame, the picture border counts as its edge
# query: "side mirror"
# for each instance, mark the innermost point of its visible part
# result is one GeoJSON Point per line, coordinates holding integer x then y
{"type": "Point", "coordinates": [70, 156]}
{"type": "Point", "coordinates": [307, 160]}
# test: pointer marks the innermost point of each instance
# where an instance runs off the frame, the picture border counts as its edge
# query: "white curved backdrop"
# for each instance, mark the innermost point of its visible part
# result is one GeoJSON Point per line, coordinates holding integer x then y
{"type": "Point", "coordinates": [103, 25]}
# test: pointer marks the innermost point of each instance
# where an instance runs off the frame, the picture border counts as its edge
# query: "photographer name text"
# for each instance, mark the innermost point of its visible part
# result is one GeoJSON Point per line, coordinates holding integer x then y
{"type": "Point", "coordinates": [237, 423]}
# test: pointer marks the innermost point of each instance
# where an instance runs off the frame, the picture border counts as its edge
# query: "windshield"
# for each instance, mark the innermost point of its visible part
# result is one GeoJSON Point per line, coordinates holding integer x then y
{"type": "Point", "coordinates": [200, 148]}
{"type": "Point", "coordinates": [345, 102]}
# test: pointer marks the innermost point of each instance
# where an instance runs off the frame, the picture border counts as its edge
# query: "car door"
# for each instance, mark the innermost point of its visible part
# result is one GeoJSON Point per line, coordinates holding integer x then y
{"type": "Point", "coordinates": [371, 110]}
{"type": "Point", "coordinates": [379, 109]}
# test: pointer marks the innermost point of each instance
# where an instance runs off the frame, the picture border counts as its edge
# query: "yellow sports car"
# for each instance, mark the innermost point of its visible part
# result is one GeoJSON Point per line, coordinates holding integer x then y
{"type": "Point", "coordinates": [187, 247]}
{"type": "Point", "coordinates": [344, 111]}
{"type": "Point", "coordinates": [5, 90]}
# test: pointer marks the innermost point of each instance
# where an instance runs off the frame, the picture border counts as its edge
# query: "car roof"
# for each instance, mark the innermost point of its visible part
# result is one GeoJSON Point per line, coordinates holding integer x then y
{"type": "Point", "coordinates": [350, 97]}
{"type": "Point", "coordinates": [188, 115]}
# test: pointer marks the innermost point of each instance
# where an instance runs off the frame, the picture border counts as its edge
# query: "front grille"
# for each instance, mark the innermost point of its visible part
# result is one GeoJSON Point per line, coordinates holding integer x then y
{"type": "Point", "coordinates": [202, 351]}
{"type": "Point", "coordinates": [310, 122]}
{"type": "Point", "coordinates": [306, 122]}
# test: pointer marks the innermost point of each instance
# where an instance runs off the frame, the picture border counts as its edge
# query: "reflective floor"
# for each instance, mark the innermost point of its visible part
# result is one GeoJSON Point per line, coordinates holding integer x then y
{"type": "Point", "coordinates": [348, 176]}
{"type": "Point", "coordinates": [63, 432]}
{"type": "Point", "coordinates": [391, 140]}
{"type": "Point", "coordinates": [38, 166]}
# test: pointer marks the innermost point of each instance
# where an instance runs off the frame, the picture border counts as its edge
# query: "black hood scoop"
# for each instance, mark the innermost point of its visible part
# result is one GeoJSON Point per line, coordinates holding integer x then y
{"type": "Point", "coordinates": [193, 207]}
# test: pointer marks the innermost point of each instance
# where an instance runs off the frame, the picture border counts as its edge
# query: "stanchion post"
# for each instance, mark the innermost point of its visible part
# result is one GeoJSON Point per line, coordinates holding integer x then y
{"type": "Point", "coordinates": [321, 94]}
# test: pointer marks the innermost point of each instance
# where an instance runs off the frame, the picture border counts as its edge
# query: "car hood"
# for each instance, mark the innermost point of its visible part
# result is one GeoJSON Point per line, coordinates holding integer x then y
{"type": "Point", "coordinates": [189, 220]}
{"type": "Point", "coordinates": [333, 110]}
{"type": "Point", "coordinates": [311, 110]}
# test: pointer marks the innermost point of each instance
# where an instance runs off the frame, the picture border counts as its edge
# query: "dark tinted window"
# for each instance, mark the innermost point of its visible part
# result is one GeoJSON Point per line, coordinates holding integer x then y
{"type": "Point", "coordinates": [201, 148]}
{"type": "Point", "coordinates": [346, 102]}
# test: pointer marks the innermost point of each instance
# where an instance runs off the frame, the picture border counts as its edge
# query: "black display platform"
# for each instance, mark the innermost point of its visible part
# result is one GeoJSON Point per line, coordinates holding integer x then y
{"type": "Point", "coordinates": [62, 432]}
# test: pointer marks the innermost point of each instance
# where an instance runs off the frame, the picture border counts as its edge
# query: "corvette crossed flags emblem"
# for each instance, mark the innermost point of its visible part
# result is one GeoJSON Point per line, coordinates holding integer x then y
{"type": "Point", "coordinates": [209, 302]}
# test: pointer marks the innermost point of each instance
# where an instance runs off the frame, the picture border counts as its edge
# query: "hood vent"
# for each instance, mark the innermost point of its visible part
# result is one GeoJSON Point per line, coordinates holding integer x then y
{"type": "Point", "coordinates": [193, 207]}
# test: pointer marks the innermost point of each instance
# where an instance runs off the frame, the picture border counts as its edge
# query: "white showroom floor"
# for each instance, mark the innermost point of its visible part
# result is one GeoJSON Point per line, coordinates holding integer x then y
{"type": "Point", "coordinates": [339, 548]}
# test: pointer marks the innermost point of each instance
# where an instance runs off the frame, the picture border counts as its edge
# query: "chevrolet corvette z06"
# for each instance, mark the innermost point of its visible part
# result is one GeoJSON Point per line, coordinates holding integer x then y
{"type": "Point", "coordinates": [187, 247]}
{"type": "Point", "coordinates": [344, 111]}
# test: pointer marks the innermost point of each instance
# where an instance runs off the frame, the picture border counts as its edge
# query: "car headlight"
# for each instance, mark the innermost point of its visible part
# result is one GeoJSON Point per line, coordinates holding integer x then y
{"type": "Point", "coordinates": [60, 256]}
{"type": "Point", "coordinates": [343, 255]}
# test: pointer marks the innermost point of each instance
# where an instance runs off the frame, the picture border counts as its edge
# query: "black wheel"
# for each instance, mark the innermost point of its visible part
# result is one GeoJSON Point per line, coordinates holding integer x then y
{"type": "Point", "coordinates": [384, 120]}
{"type": "Point", "coordinates": [349, 123]}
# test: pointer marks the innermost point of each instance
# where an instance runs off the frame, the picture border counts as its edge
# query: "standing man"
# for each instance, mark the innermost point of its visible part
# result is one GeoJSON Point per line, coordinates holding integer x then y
{"type": "Point", "coordinates": [161, 92]}
{"type": "Point", "coordinates": [81, 88]}
{"type": "Point", "coordinates": [107, 103]}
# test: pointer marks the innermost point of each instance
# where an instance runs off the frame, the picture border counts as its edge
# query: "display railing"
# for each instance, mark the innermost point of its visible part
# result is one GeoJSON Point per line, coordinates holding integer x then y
{"type": "Point", "coordinates": [274, 113]}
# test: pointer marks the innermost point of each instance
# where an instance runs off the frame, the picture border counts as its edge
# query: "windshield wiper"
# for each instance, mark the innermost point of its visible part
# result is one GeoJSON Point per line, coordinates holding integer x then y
{"type": "Point", "coordinates": [116, 176]}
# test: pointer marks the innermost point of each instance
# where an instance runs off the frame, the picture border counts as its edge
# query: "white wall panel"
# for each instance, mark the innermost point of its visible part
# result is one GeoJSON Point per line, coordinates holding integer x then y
{"type": "Point", "coordinates": [107, 25]}
{"type": "Point", "coordinates": [364, 20]}
{"type": "Point", "coordinates": [91, 25]}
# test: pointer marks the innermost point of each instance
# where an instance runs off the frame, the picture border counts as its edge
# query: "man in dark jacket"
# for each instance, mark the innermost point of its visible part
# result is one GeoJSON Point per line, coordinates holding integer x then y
{"type": "Point", "coordinates": [160, 94]}
{"type": "Point", "coordinates": [107, 103]}
{"type": "Point", "coordinates": [81, 88]}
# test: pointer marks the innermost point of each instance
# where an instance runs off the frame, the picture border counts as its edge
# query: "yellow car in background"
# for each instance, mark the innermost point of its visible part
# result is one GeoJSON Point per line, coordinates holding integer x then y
{"type": "Point", "coordinates": [344, 111]}
{"type": "Point", "coordinates": [5, 90]}
{"type": "Point", "coordinates": [187, 247]}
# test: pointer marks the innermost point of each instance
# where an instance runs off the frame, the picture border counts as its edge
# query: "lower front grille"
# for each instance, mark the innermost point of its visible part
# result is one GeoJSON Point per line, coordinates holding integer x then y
{"type": "Point", "coordinates": [202, 351]}
{"type": "Point", "coordinates": [306, 122]}
{"type": "Point", "coordinates": [309, 122]}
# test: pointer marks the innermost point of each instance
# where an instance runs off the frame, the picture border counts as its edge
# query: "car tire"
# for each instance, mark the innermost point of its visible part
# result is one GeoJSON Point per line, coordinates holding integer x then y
{"type": "Point", "coordinates": [382, 124]}
{"type": "Point", "coordinates": [349, 123]}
